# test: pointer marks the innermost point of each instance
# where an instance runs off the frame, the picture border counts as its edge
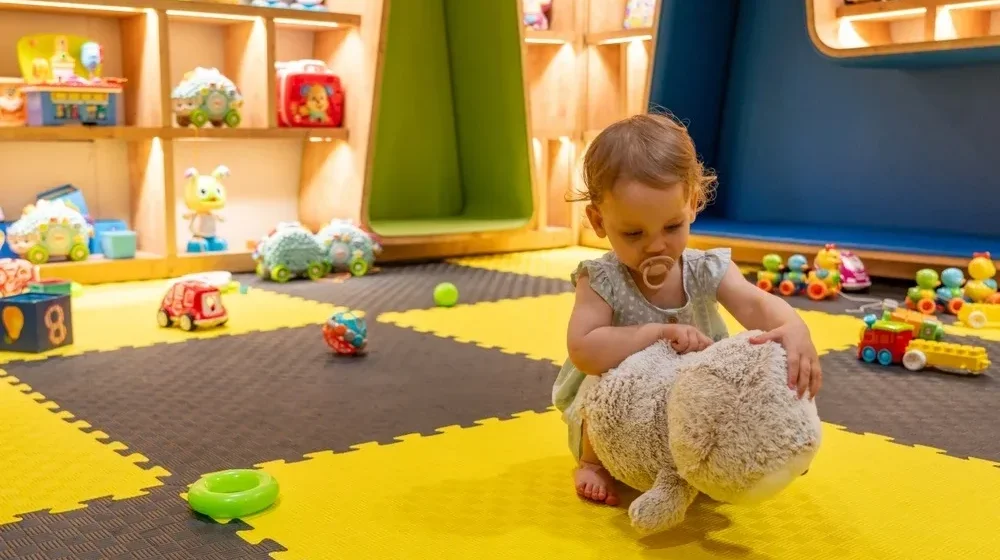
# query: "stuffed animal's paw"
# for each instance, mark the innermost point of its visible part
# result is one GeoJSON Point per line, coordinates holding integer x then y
{"type": "Point", "coordinates": [663, 506]}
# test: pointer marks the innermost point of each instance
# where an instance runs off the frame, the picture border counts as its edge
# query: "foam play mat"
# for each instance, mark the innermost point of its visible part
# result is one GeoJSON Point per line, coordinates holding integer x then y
{"type": "Point", "coordinates": [441, 442]}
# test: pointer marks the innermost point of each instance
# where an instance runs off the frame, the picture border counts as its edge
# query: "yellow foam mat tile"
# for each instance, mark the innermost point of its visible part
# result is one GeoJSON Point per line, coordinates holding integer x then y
{"type": "Point", "coordinates": [550, 263]}
{"type": "Point", "coordinates": [535, 326]}
{"type": "Point", "coordinates": [503, 490]}
{"type": "Point", "coordinates": [113, 316]}
{"type": "Point", "coordinates": [48, 463]}
{"type": "Point", "coordinates": [958, 329]}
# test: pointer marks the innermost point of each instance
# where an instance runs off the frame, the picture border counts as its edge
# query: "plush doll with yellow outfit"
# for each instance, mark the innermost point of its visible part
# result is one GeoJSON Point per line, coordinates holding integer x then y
{"type": "Point", "coordinates": [203, 194]}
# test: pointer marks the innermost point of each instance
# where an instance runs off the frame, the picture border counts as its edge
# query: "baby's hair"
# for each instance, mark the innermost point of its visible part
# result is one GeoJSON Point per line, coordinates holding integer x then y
{"type": "Point", "coordinates": [654, 149]}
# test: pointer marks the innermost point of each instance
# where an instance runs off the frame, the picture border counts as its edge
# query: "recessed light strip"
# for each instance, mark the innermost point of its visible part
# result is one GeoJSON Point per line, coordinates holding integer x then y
{"type": "Point", "coordinates": [70, 6]}
{"type": "Point", "coordinates": [544, 41]}
{"type": "Point", "coordinates": [617, 40]}
{"type": "Point", "coordinates": [305, 22]}
{"type": "Point", "coordinates": [973, 5]}
{"type": "Point", "coordinates": [889, 14]}
{"type": "Point", "coordinates": [209, 15]}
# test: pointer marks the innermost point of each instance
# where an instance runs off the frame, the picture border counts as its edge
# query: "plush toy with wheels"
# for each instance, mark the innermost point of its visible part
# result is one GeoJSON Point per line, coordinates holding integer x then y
{"type": "Point", "coordinates": [348, 247]}
{"type": "Point", "coordinates": [290, 251]}
{"type": "Point", "coordinates": [50, 229]}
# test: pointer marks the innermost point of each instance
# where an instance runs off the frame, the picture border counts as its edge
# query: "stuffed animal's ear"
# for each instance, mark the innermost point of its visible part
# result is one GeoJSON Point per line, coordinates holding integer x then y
{"type": "Point", "coordinates": [220, 172]}
{"type": "Point", "coordinates": [190, 172]}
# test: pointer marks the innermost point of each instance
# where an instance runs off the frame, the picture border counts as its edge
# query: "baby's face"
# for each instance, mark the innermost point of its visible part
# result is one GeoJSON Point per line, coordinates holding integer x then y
{"type": "Point", "coordinates": [641, 222]}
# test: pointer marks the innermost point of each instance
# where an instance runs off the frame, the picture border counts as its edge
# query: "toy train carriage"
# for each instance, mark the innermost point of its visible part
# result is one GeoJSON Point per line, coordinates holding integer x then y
{"type": "Point", "coordinates": [797, 277]}
{"type": "Point", "coordinates": [924, 327]}
{"type": "Point", "coordinates": [892, 342]}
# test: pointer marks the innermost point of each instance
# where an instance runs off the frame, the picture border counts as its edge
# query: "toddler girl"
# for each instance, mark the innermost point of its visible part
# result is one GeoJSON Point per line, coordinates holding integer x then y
{"type": "Point", "coordinates": [645, 186]}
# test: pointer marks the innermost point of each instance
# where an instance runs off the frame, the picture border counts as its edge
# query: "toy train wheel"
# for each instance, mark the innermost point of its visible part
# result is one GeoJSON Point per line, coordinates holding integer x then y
{"type": "Point", "coordinates": [233, 119]}
{"type": "Point", "coordinates": [281, 274]}
{"type": "Point", "coordinates": [358, 266]}
{"type": "Point", "coordinates": [199, 118]}
{"type": "Point", "coordinates": [817, 291]}
{"type": "Point", "coordinates": [78, 252]}
{"type": "Point", "coordinates": [885, 357]}
{"type": "Point", "coordinates": [955, 305]}
{"type": "Point", "coordinates": [187, 323]}
{"type": "Point", "coordinates": [765, 284]}
{"type": "Point", "coordinates": [260, 270]}
{"type": "Point", "coordinates": [316, 271]}
{"type": "Point", "coordinates": [37, 255]}
{"type": "Point", "coordinates": [162, 318]}
{"type": "Point", "coordinates": [786, 288]}
{"type": "Point", "coordinates": [976, 319]}
{"type": "Point", "coordinates": [926, 306]}
{"type": "Point", "coordinates": [869, 354]}
{"type": "Point", "coordinates": [914, 360]}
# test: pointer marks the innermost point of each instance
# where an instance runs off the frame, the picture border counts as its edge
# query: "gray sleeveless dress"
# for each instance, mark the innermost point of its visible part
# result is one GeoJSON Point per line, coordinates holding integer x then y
{"type": "Point", "coordinates": [702, 273]}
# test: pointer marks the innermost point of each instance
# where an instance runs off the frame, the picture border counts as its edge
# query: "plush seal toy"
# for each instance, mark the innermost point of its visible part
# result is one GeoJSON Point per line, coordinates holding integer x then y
{"type": "Point", "coordinates": [721, 421]}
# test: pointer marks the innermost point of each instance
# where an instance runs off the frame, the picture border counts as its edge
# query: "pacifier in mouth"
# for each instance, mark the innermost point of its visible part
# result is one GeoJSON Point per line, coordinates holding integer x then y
{"type": "Point", "coordinates": [656, 267]}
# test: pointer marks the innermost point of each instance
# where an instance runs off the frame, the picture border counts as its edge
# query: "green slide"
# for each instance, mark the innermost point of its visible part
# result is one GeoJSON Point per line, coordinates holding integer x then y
{"type": "Point", "coordinates": [451, 149]}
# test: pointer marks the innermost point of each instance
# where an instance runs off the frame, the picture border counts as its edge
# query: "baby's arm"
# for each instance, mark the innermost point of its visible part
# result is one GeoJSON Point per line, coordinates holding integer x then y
{"type": "Point", "coordinates": [594, 345]}
{"type": "Point", "coordinates": [754, 308]}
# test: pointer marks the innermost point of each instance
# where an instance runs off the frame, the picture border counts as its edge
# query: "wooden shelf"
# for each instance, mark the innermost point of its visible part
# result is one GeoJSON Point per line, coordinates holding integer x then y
{"type": "Point", "coordinates": [180, 9]}
{"type": "Point", "coordinates": [96, 269]}
{"type": "Point", "coordinates": [130, 133]}
{"type": "Point", "coordinates": [620, 36]}
{"type": "Point", "coordinates": [315, 134]}
{"type": "Point", "coordinates": [905, 32]}
{"type": "Point", "coordinates": [549, 37]}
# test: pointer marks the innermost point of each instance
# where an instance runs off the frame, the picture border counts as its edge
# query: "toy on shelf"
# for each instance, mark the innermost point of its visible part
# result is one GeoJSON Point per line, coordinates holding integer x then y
{"type": "Point", "coordinates": [927, 298]}
{"type": "Point", "coordinates": [980, 315]}
{"type": "Point", "coordinates": [346, 333]}
{"type": "Point", "coordinates": [982, 287]}
{"type": "Point", "coordinates": [309, 95]}
{"type": "Point", "coordinates": [13, 105]}
{"type": "Point", "coordinates": [348, 247]}
{"type": "Point", "coordinates": [267, 3]}
{"type": "Point", "coordinates": [64, 82]}
{"type": "Point", "coordinates": [206, 96]}
{"type": "Point", "coordinates": [890, 342]}
{"type": "Point", "coordinates": [119, 244]}
{"type": "Point", "coordinates": [50, 229]}
{"type": "Point", "coordinates": [639, 13]}
{"type": "Point", "coordinates": [288, 251]}
{"type": "Point", "coordinates": [853, 275]}
{"type": "Point", "coordinates": [35, 323]}
{"type": "Point", "coordinates": [537, 14]}
{"type": "Point", "coordinates": [70, 196]}
{"type": "Point", "coordinates": [192, 304]}
{"type": "Point", "coordinates": [16, 276]}
{"type": "Point", "coordinates": [203, 195]}
{"type": "Point", "coordinates": [314, 5]}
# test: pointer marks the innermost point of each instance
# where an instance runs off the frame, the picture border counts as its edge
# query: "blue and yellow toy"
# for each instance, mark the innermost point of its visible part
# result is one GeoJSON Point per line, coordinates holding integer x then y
{"type": "Point", "coordinates": [346, 333]}
{"type": "Point", "coordinates": [930, 297]}
{"type": "Point", "coordinates": [203, 195]}
{"type": "Point", "coordinates": [35, 322]}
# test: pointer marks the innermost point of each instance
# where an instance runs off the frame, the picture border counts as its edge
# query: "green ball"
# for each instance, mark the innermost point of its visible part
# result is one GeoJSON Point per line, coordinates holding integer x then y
{"type": "Point", "coordinates": [445, 294]}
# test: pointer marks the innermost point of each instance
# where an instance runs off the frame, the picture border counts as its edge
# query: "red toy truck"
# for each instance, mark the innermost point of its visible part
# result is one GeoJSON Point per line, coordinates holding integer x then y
{"type": "Point", "coordinates": [309, 95]}
{"type": "Point", "coordinates": [192, 304]}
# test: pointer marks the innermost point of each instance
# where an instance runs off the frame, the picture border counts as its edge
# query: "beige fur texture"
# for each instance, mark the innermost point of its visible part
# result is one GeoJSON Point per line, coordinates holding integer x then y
{"type": "Point", "coordinates": [722, 421]}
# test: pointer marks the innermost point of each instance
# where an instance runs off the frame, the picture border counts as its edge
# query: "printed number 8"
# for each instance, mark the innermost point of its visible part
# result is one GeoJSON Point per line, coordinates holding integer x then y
{"type": "Point", "coordinates": [54, 321]}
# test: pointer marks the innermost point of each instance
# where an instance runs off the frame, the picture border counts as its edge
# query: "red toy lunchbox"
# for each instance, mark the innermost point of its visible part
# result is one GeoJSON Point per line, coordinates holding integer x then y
{"type": "Point", "coordinates": [309, 95]}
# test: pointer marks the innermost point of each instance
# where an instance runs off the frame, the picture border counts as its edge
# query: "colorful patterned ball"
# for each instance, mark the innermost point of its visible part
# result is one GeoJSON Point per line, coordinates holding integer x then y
{"type": "Point", "coordinates": [346, 333]}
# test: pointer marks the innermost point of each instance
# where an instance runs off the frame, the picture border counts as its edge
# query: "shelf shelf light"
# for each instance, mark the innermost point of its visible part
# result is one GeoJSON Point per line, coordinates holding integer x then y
{"type": "Point", "coordinates": [973, 5]}
{"type": "Point", "coordinates": [888, 14]}
{"type": "Point", "coordinates": [545, 41]}
{"type": "Point", "coordinates": [208, 15]}
{"type": "Point", "coordinates": [70, 6]}
{"type": "Point", "coordinates": [617, 40]}
{"type": "Point", "coordinates": [305, 23]}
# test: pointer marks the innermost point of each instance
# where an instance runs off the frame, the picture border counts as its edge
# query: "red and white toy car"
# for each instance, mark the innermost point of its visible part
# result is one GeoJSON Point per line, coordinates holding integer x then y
{"type": "Point", "coordinates": [853, 276]}
{"type": "Point", "coordinates": [192, 304]}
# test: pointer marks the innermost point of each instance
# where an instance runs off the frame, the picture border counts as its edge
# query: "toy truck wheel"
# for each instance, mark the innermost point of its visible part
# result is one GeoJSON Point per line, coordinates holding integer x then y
{"type": "Point", "coordinates": [358, 266]}
{"type": "Point", "coordinates": [786, 288]}
{"type": "Point", "coordinates": [765, 284]}
{"type": "Point", "coordinates": [914, 360]}
{"type": "Point", "coordinates": [281, 274]}
{"type": "Point", "coordinates": [233, 119]}
{"type": "Point", "coordinates": [316, 271]}
{"type": "Point", "coordinates": [868, 354]}
{"type": "Point", "coordinates": [976, 319]}
{"type": "Point", "coordinates": [37, 255]}
{"type": "Point", "coordinates": [261, 270]}
{"type": "Point", "coordinates": [78, 252]}
{"type": "Point", "coordinates": [162, 318]}
{"type": "Point", "coordinates": [884, 357]}
{"type": "Point", "coordinates": [926, 306]}
{"type": "Point", "coordinates": [955, 305]}
{"type": "Point", "coordinates": [187, 323]}
{"type": "Point", "coordinates": [199, 118]}
{"type": "Point", "coordinates": [817, 291]}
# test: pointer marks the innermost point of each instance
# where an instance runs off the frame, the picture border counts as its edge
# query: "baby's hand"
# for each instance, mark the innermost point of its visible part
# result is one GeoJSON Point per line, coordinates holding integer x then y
{"type": "Point", "coordinates": [804, 371]}
{"type": "Point", "coordinates": [685, 338]}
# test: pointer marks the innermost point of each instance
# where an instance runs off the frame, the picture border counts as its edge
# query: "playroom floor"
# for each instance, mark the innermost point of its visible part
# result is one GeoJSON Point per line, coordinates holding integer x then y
{"type": "Point", "coordinates": [441, 443]}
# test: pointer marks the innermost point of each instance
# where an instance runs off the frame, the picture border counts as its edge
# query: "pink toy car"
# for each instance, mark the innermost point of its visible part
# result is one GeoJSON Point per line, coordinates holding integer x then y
{"type": "Point", "coordinates": [853, 275]}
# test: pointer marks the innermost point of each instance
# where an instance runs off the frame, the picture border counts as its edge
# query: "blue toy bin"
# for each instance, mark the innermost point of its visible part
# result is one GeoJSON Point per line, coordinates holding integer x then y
{"type": "Point", "coordinates": [118, 244]}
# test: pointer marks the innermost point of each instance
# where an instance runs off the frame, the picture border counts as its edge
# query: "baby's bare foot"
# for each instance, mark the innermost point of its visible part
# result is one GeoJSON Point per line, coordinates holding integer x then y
{"type": "Point", "coordinates": [594, 482]}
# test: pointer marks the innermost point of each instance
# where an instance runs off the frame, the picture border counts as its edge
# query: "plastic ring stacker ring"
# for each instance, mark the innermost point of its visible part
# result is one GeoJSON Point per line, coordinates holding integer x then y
{"type": "Point", "coordinates": [656, 266]}
{"type": "Point", "coordinates": [233, 494]}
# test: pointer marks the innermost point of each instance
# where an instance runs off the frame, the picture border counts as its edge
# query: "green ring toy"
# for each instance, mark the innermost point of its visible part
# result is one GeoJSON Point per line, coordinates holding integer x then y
{"type": "Point", "coordinates": [233, 494]}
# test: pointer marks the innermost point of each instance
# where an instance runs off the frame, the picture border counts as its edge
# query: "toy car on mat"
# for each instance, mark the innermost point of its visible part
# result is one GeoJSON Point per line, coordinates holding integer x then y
{"type": "Point", "coordinates": [892, 342]}
{"type": "Point", "coordinates": [192, 304]}
{"type": "Point", "coordinates": [348, 247]}
{"type": "Point", "coordinates": [289, 251]}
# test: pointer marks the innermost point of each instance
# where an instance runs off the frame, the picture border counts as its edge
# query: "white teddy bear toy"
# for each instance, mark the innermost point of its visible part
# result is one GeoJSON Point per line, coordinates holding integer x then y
{"type": "Point", "coordinates": [722, 421]}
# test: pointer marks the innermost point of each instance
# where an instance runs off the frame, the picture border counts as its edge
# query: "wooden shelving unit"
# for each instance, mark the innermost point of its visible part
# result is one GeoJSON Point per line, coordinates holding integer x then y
{"type": "Point", "coordinates": [906, 32]}
{"type": "Point", "coordinates": [598, 74]}
{"type": "Point", "coordinates": [134, 171]}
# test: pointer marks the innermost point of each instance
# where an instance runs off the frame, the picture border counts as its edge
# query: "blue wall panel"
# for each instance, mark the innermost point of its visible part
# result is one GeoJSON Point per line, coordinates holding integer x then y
{"type": "Point", "coordinates": [805, 140]}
